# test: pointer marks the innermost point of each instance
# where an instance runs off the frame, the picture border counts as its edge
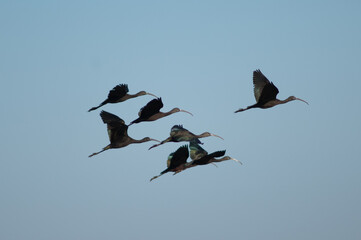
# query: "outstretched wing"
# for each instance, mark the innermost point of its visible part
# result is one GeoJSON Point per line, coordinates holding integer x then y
{"type": "Point", "coordinates": [115, 126]}
{"type": "Point", "coordinates": [197, 151]}
{"type": "Point", "coordinates": [151, 108]}
{"type": "Point", "coordinates": [205, 159]}
{"type": "Point", "coordinates": [262, 87]}
{"type": "Point", "coordinates": [175, 129]}
{"type": "Point", "coordinates": [178, 158]}
{"type": "Point", "coordinates": [269, 92]}
{"type": "Point", "coordinates": [180, 134]}
{"type": "Point", "coordinates": [118, 92]}
{"type": "Point", "coordinates": [111, 118]}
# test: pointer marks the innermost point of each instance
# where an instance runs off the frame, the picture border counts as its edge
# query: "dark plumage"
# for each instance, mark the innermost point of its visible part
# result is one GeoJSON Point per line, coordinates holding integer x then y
{"type": "Point", "coordinates": [118, 133]}
{"type": "Point", "coordinates": [120, 94]}
{"type": "Point", "coordinates": [176, 161]}
{"type": "Point", "coordinates": [151, 111]}
{"type": "Point", "coordinates": [265, 93]}
{"type": "Point", "coordinates": [180, 134]}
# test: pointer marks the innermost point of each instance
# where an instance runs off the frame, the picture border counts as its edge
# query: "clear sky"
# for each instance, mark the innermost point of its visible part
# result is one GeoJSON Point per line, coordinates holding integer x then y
{"type": "Point", "coordinates": [300, 177]}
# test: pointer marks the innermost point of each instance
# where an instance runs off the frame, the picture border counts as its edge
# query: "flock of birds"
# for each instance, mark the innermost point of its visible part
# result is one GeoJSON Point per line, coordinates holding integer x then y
{"type": "Point", "coordinates": [265, 93]}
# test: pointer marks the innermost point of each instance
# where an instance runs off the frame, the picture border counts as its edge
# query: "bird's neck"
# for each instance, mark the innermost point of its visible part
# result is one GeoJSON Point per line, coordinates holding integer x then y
{"type": "Point", "coordinates": [159, 115]}
{"type": "Point", "coordinates": [274, 102]}
{"type": "Point", "coordinates": [205, 134]}
{"type": "Point", "coordinates": [285, 101]}
{"type": "Point", "coordinates": [169, 113]}
{"type": "Point", "coordinates": [134, 95]}
{"type": "Point", "coordinates": [140, 140]}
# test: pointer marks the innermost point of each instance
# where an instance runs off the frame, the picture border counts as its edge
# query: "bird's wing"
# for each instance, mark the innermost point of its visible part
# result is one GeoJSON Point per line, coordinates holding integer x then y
{"type": "Point", "coordinates": [118, 92]}
{"type": "Point", "coordinates": [178, 158]}
{"type": "Point", "coordinates": [115, 126]}
{"type": "Point", "coordinates": [269, 92]}
{"type": "Point", "coordinates": [151, 108]}
{"type": "Point", "coordinates": [111, 118]}
{"type": "Point", "coordinates": [117, 134]}
{"type": "Point", "coordinates": [217, 154]}
{"type": "Point", "coordinates": [197, 151]}
{"type": "Point", "coordinates": [259, 81]}
{"type": "Point", "coordinates": [175, 129]}
{"type": "Point", "coordinates": [205, 159]}
{"type": "Point", "coordinates": [179, 134]}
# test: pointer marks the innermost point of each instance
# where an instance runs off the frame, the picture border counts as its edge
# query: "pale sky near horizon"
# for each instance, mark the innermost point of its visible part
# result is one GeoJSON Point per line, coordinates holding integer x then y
{"type": "Point", "coordinates": [300, 177]}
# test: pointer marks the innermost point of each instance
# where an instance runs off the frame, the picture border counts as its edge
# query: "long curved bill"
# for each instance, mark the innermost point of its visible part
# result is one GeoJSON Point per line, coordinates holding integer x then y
{"type": "Point", "coordinates": [236, 160]}
{"type": "Point", "coordinates": [214, 135]}
{"type": "Point", "coordinates": [151, 139]}
{"type": "Point", "coordinates": [155, 145]}
{"type": "Point", "coordinates": [151, 94]}
{"type": "Point", "coordinates": [302, 100]}
{"type": "Point", "coordinates": [181, 110]}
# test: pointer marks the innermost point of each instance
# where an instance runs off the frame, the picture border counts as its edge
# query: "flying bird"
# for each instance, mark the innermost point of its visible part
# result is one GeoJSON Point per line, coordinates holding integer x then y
{"type": "Point", "coordinates": [265, 93]}
{"type": "Point", "coordinates": [200, 156]}
{"type": "Point", "coordinates": [150, 112]}
{"type": "Point", "coordinates": [180, 134]}
{"type": "Point", "coordinates": [120, 94]}
{"type": "Point", "coordinates": [118, 133]}
{"type": "Point", "coordinates": [176, 161]}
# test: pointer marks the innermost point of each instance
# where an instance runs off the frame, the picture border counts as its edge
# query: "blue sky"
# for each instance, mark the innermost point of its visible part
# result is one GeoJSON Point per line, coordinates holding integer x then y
{"type": "Point", "coordinates": [300, 177]}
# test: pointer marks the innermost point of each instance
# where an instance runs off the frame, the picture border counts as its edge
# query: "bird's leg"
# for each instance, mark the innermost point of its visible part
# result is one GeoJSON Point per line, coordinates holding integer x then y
{"type": "Point", "coordinates": [155, 177]}
{"type": "Point", "coordinates": [249, 107]}
{"type": "Point", "coordinates": [214, 164]}
{"type": "Point", "coordinates": [102, 104]}
{"type": "Point", "coordinates": [242, 109]}
{"type": "Point", "coordinates": [178, 171]}
{"type": "Point", "coordinates": [105, 148]}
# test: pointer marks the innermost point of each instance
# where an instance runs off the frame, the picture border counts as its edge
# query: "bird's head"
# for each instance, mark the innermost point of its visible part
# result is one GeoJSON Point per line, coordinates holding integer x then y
{"type": "Point", "coordinates": [147, 139]}
{"type": "Point", "coordinates": [230, 158]}
{"type": "Point", "coordinates": [175, 110]}
{"type": "Point", "coordinates": [141, 93]}
{"type": "Point", "coordinates": [208, 134]}
{"type": "Point", "coordinates": [291, 98]}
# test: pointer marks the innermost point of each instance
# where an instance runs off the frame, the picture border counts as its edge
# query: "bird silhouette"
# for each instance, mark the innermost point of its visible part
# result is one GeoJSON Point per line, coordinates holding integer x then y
{"type": "Point", "coordinates": [180, 134]}
{"type": "Point", "coordinates": [120, 94]}
{"type": "Point", "coordinates": [200, 156]}
{"type": "Point", "coordinates": [118, 133]}
{"type": "Point", "coordinates": [150, 112]}
{"type": "Point", "coordinates": [176, 160]}
{"type": "Point", "coordinates": [265, 93]}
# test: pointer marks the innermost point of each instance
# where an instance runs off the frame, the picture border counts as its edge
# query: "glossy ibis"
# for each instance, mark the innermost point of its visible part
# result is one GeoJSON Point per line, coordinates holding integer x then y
{"type": "Point", "coordinates": [200, 156]}
{"type": "Point", "coordinates": [176, 161]}
{"type": "Point", "coordinates": [120, 94]}
{"type": "Point", "coordinates": [180, 134]}
{"type": "Point", "coordinates": [150, 112]}
{"type": "Point", "coordinates": [117, 131]}
{"type": "Point", "coordinates": [265, 93]}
